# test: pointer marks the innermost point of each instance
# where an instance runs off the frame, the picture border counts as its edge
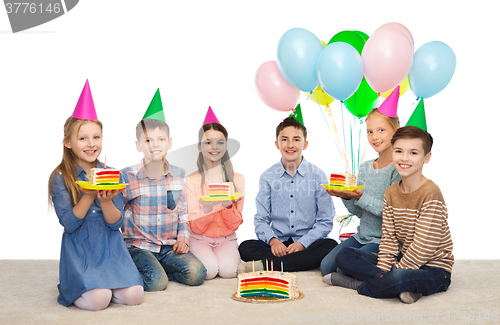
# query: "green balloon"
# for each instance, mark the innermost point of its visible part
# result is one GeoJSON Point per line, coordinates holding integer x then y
{"type": "Point", "coordinates": [366, 37]}
{"type": "Point", "coordinates": [352, 38]}
{"type": "Point", "coordinates": [363, 101]}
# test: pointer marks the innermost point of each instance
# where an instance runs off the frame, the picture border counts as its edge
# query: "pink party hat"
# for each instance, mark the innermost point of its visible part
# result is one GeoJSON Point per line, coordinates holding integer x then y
{"type": "Point", "coordinates": [390, 106]}
{"type": "Point", "coordinates": [85, 108]}
{"type": "Point", "coordinates": [210, 117]}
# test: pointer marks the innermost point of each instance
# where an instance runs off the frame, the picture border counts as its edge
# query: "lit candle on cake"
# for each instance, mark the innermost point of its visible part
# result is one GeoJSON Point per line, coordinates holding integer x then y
{"type": "Point", "coordinates": [272, 265]}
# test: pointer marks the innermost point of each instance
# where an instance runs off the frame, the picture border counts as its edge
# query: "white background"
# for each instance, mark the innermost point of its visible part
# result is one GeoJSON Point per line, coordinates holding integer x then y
{"type": "Point", "coordinates": [202, 53]}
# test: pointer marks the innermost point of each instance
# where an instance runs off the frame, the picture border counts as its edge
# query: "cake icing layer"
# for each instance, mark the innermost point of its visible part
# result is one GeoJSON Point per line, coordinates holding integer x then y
{"type": "Point", "coordinates": [267, 284]}
{"type": "Point", "coordinates": [221, 189]}
{"type": "Point", "coordinates": [104, 176]}
{"type": "Point", "coordinates": [343, 179]}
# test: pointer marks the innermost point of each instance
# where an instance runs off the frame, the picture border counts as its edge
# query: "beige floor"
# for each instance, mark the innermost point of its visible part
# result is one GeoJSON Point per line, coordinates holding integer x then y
{"type": "Point", "coordinates": [28, 296]}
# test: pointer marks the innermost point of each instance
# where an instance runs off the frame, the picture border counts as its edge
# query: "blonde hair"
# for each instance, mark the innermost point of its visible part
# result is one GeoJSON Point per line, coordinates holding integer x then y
{"type": "Point", "coordinates": [394, 121]}
{"type": "Point", "coordinates": [68, 166]}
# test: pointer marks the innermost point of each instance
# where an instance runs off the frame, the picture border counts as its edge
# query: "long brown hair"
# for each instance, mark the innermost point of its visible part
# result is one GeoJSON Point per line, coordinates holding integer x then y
{"type": "Point", "coordinates": [225, 161]}
{"type": "Point", "coordinates": [68, 166]}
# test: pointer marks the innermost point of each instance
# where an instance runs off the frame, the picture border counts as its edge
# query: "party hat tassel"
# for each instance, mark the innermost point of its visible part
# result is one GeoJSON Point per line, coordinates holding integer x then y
{"type": "Point", "coordinates": [297, 114]}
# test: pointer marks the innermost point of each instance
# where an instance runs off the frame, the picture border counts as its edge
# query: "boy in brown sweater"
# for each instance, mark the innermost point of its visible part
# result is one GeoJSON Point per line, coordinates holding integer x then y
{"type": "Point", "coordinates": [415, 255]}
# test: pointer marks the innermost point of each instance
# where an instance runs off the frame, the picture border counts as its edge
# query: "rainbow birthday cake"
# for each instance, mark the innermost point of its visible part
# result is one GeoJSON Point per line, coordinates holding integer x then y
{"type": "Point", "coordinates": [268, 284]}
{"type": "Point", "coordinates": [342, 179]}
{"type": "Point", "coordinates": [221, 189]}
{"type": "Point", "coordinates": [104, 176]}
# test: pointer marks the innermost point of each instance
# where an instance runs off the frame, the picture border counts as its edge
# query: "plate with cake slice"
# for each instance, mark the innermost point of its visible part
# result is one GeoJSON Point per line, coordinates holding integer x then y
{"type": "Point", "coordinates": [208, 198]}
{"type": "Point", "coordinates": [87, 186]}
{"type": "Point", "coordinates": [342, 187]}
{"type": "Point", "coordinates": [342, 182]}
{"type": "Point", "coordinates": [221, 192]}
{"type": "Point", "coordinates": [102, 179]}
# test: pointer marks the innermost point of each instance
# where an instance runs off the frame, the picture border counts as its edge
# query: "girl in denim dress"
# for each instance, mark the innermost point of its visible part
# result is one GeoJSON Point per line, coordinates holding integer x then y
{"type": "Point", "coordinates": [95, 267]}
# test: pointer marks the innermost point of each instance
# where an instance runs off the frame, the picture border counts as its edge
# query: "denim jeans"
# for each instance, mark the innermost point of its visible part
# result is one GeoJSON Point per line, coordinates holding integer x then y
{"type": "Point", "coordinates": [157, 269]}
{"type": "Point", "coordinates": [328, 264]}
{"type": "Point", "coordinates": [377, 283]}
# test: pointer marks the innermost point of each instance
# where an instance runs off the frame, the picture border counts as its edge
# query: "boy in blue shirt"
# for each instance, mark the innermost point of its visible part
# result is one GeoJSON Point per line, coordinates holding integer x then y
{"type": "Point", "coordinates": [294, 212]}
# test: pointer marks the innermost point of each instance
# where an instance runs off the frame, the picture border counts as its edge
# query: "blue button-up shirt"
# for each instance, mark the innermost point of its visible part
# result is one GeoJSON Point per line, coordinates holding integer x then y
{"type": "Point", "coordinates": [293, 206]}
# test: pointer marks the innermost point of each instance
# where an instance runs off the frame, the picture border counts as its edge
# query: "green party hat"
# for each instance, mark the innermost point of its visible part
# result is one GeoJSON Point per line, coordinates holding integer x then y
{"type": "Point", "coordinates": [297, 114]}
{"type": "Point", "coordinates": [418, 117]}
{"type": "Point", "coordinates": [155, 109]}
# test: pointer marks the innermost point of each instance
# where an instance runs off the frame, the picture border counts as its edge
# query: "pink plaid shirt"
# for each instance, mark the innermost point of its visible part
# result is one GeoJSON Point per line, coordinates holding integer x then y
{"type": "Point", "coordinates": [155, 210]}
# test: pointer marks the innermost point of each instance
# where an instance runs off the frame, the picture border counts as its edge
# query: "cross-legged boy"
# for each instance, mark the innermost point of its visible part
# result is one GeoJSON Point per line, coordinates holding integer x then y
{"type": "Point", "coordinates": [294, 212]}
{"type": "Point", "coordinates": [415, 255]}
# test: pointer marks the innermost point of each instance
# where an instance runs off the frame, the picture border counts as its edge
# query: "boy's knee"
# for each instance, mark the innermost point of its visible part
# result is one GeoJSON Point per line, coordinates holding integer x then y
{"type": "Point", "coordinates": [248, 248]}
{"type": "Point", "coordinates": [342, 254]}
{"type": "Point", "coordinates": [197, 274]}
{"type": "Point", "coordinates": [155, 282]}
{"type": "Point", "coordinates": [325, 266]}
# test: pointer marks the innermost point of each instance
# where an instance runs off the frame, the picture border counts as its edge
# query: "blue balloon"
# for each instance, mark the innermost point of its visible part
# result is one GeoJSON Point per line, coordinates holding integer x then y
{"type": "Point", "coordinates": [340, 70]}
{"type": "Point", "coordinates": [432, 69]}
{"type": "Point", "coordinates": [298, 50]}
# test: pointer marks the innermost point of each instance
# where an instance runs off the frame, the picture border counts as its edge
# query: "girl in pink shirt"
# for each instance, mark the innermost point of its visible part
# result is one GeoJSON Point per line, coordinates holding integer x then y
{"type": "Point", "coordinates": [213, 224]}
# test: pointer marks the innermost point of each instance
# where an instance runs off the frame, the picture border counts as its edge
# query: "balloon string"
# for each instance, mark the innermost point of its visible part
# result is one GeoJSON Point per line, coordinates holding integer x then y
{"type": "Point", "coordinates": [338, 140]}
{"type": "Point", "coordinates": [324, 118]}
{"type": "Point", "coordinates": [336, 132]}
{"type": "Point", "coordinates": [324, 97]}
{"type": "Point", "coordinates": [344, 149]}
{"type": "Point", "coordinates": [336, 145]}
{"type": "Point", "coordinates": [364, 153]}
{"type": "Point", "coordinates": [343, 124]}
{"type": "Point", "coordinates": [352, 153]}
{"type": "Point", "coordinates": [359, 147]}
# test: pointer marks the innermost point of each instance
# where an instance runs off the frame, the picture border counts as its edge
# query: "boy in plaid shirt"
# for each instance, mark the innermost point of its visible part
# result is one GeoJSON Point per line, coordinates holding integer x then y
{"type": "Point", "coordinates": [155, 227]}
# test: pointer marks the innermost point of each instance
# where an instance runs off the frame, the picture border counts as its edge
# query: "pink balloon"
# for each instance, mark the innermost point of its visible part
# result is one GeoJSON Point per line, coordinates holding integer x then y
{"type": "Point", "coordinates": [387, 58]}
{"type": "Point", "coordinates": [402, 29]}
{"type": "Point", "coordinates": [273, 89]}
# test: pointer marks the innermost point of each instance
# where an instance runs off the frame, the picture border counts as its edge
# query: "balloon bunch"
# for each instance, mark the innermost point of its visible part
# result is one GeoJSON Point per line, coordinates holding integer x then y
{"type": "Point", "coordinates": [353, 68]}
